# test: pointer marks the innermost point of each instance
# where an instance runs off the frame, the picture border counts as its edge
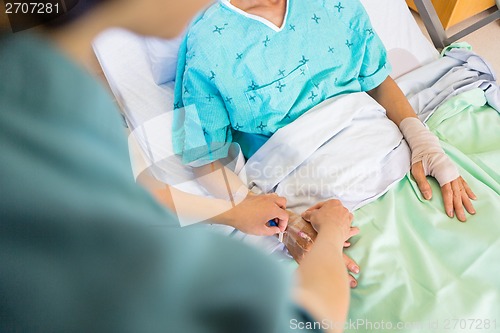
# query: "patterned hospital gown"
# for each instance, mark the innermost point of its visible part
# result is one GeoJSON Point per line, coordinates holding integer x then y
{"type": "Point", "coordinates": [238, 73]}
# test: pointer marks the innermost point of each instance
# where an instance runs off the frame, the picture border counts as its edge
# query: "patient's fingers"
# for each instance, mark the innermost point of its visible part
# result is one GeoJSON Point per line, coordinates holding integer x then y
{"type": "Point", "coordinates": [417, 170]}
{"type": "Point", "coordinates": [447, 199]}
{"type": "Point", "coordinates": [352, 281]}
{"type": "Point", "coordinates": [469, 192]}
{"type": "Point", "coordinates": [351, 265]}
{"type": "Point", "coordinates": [467, 203]}
{"type": "Point", "coordinates": [457, 200]}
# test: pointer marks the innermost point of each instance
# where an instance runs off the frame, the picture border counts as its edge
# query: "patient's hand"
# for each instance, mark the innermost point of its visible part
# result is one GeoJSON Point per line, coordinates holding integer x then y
{"type": "Point", "coordinates": [299, 236]}
{"type": "Point", "coordinates": [299, 239]}
{"type": "Point", "coordinates": [429, 159]}
{"type": "Point", "coordinates": [457, 194]}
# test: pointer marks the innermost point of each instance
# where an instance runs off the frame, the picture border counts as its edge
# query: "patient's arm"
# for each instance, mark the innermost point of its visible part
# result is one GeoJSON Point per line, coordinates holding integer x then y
{"type": "Point", "coordinates": [455, 190]}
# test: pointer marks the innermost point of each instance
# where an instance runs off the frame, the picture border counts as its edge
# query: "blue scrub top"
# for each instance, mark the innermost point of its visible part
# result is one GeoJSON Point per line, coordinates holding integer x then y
{"type": "Point", "coordinates": [240, 73]}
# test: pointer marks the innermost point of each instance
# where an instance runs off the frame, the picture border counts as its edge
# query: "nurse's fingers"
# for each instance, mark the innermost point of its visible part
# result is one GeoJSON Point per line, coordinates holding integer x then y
{"type": "Point", "coordinates": [316, 206]}
{"type": "Point", "coordinates": [281, 218]}
{"type": "Point", "coordinates": [280, 201]}
{"type": "Point", "coordinates": [270, 231]}
{"type": "Point", "coordinates": [353, 232]}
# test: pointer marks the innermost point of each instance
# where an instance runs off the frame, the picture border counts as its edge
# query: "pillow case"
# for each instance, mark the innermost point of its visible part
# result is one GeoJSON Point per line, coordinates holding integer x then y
{"type": "Point", "coordinates": [162, 54]}
{"type": "Point", "coordinates": [407, 47]}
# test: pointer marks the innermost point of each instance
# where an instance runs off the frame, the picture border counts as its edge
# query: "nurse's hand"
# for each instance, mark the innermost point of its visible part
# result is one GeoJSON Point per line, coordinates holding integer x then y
{"type": "Point", "coordinates": [299, 240]}
{"type": "Point", "coordinates": [456, 194]}
{"type": "Point", "coordinates": [253, 214]}
{"type": "Point", "coordinates": [331, 214]}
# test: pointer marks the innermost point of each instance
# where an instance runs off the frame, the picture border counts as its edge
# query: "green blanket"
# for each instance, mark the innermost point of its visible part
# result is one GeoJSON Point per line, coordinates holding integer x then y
{"type": "Point", "coordinates": [421, 270]}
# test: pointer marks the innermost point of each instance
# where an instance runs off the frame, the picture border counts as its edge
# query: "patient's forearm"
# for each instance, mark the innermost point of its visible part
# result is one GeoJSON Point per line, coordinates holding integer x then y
{"type": "Point", "coordinates": [221, 182]}
{"type": "Point", "coordinates": [390, 96]}
{"type": "Point", "coordinates": [324, 285]}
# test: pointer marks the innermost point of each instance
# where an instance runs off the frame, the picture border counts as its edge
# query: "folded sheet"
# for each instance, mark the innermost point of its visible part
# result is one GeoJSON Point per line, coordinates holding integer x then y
{"type": "Point", "coordinates": [345, 148]}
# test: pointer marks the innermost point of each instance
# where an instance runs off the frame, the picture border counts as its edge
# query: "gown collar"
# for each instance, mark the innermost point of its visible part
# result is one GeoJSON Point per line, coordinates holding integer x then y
{"type": "Point", "coordinates": [268, 23]}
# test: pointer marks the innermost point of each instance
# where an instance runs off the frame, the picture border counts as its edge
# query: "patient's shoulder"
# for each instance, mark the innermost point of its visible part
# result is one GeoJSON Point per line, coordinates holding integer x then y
{"type": "Point", "coordinates": [206, 19]}
{"type": "Point", "coordinates": [208, 25]}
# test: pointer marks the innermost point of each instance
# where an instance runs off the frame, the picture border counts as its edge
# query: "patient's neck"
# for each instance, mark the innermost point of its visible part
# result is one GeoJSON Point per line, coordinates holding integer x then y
{"type": "Point", "coordinates": [272, 10]}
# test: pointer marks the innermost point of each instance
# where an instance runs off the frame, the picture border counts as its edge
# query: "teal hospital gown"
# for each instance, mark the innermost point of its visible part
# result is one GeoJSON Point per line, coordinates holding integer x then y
{"type": "Point", "coordinates": [240, 76]}
{"type": "Point", "coordinates": [82, 247]}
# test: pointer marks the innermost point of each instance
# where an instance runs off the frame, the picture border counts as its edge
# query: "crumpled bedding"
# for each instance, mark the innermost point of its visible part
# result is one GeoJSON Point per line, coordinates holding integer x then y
{"type": "Point", "coordinates": [425, 272]}
{"type": "Point", "coordinates": [345, 148]}
{"type": "Point", "coordinates": [420, 270]}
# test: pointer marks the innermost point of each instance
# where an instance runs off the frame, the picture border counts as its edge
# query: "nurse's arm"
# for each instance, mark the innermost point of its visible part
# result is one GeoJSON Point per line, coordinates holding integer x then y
{"type": "Point", "coordinates": [323, 287]}
{"type": "Point", "coordinates": [251, 213]}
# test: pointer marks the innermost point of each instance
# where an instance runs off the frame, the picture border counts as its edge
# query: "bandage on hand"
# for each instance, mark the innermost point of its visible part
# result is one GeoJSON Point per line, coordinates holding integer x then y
{"type": "Point", "coordinates": [299, 236]}
{"type": "Point", "coordinates": [425, 148]}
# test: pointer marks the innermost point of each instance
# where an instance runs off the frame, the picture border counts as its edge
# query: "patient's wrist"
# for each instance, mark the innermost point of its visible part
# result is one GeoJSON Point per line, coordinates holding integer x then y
{"type": "Point", "coordinates": [425, 148]}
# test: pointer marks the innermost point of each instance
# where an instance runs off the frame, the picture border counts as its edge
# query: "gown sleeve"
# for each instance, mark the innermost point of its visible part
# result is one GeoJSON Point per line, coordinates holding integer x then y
{"type": "Point", "coordinates": [202, 128]}
{"type": "Point", "coordinates": [375, 67]}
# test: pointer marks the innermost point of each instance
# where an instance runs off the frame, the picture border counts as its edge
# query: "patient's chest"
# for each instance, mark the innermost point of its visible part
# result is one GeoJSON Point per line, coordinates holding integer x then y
{"type": "Point", "coordinates": [269, 78]}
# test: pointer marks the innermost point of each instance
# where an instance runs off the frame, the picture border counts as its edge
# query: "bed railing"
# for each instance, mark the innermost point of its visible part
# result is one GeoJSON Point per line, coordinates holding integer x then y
{"type": "Point", "coordinates": [435, 28]}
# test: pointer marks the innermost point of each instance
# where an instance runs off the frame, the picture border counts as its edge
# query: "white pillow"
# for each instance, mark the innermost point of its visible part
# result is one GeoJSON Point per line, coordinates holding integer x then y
{"type": "Point", "coordinates": [162, 55]}
{"type": "Point", "coordinates": [406, 45]}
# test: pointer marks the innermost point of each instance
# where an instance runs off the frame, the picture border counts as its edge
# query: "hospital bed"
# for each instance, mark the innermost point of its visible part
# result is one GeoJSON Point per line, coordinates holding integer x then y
{"type": "Point", "coordinates": [421, 271]}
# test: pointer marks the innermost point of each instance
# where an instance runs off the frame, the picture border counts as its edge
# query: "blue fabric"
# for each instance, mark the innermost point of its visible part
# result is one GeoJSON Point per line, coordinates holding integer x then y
{"type": "Point", "coordinates": [237, 73]}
